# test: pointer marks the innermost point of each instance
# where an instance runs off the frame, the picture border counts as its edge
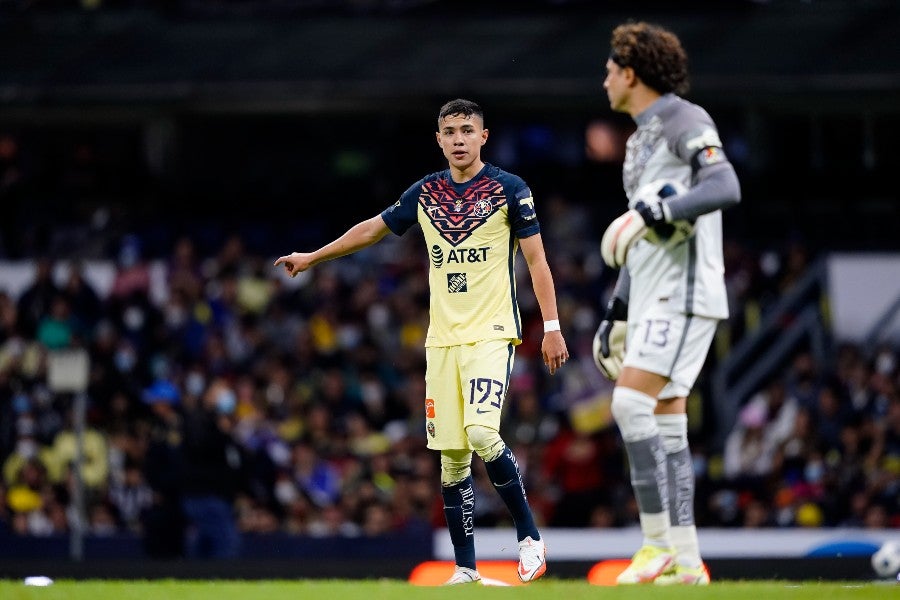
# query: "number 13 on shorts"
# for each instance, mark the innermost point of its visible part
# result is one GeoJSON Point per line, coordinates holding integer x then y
{"type": "Point", "coordinates": [671, 344]}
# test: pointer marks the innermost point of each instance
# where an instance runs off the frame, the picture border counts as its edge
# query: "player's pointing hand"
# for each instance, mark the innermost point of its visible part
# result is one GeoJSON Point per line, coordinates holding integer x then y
{"type": "Point", "coordinates": [294, 263]}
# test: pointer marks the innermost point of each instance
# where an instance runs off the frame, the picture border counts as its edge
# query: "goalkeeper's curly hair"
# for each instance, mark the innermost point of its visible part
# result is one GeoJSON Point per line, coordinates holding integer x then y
{"type": "Point", "coordinates": [655, 54]}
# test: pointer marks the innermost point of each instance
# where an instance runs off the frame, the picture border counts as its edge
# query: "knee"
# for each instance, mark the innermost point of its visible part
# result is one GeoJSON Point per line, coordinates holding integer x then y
{"type": "Point", "coordinates": [456, 465]}
{"type": "Point", "coordinates": [633, 412]}
{"type": "Point", "coordinates": [486, 441]}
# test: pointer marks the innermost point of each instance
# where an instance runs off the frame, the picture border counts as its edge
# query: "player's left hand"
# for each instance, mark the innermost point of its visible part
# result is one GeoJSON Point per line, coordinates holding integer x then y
{"type": "Point", "coordinates": [554, 350]}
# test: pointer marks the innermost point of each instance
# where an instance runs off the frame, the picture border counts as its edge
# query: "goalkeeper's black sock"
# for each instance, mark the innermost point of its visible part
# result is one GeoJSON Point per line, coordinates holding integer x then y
{"type": "Point", "coordinates": [459, 509]}
{"type": "Point", "coordinates": [504, 474]}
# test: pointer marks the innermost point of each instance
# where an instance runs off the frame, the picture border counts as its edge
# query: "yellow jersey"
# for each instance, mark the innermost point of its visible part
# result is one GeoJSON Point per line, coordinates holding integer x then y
{"type": "Point", "coordinates": [472, 233]}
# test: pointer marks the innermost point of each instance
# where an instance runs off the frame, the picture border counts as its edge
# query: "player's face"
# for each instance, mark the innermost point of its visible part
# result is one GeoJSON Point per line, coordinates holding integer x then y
{"type": "Point", "coordinates": [617, 85]}
{"type": "Point", "coordinates": [461, 139]}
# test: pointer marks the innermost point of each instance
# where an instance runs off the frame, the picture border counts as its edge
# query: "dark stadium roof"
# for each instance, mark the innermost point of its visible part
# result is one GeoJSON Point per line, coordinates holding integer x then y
{"type": "Point", "coordinates": [311, 60]}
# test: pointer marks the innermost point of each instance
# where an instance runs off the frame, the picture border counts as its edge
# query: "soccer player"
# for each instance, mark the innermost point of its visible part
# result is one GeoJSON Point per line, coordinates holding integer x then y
{"type": "Point", "coordinates": [671, 293]}
{"type": "Point", "coordinates": [474, 217]}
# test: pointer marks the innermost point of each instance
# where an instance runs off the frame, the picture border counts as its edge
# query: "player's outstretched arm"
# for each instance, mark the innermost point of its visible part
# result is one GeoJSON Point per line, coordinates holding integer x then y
{"type": "Point", "coordinates": [361, 235]}
{"type": "Point", "coordinates": [553, 347]}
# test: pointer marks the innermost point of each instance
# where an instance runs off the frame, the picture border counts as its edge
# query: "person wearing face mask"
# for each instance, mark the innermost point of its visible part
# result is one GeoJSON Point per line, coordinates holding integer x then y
{"type": "Point", "coordinates": [194, 384]}
{"type": "Point", "coordinates": [213, 473]}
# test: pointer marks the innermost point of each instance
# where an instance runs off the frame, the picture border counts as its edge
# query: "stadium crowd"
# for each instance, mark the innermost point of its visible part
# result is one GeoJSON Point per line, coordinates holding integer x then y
{"type": "Point", "coordinates": [299, 403]}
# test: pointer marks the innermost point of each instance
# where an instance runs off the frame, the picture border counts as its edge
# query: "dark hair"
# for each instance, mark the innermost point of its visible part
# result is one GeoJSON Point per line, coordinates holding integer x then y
{"type": "Point", "coordinates": [466, 108]}
{"type": "Point", "coordinates": [655, 54]}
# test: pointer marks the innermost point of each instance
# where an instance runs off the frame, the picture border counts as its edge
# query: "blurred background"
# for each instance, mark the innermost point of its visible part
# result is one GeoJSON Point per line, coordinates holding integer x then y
{"type": "Point", "coordinates": [156, 156]}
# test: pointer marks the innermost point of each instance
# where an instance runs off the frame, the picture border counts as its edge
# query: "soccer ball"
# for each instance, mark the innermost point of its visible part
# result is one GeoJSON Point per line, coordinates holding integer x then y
{"type": "Point", "coordinates": [886, 560]}
{"type": "Point", "coordinates": [664, 234]}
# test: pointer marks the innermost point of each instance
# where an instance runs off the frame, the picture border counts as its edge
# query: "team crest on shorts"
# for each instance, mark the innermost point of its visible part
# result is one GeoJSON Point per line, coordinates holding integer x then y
{"type": "Point", "coordinates": [430, 428]}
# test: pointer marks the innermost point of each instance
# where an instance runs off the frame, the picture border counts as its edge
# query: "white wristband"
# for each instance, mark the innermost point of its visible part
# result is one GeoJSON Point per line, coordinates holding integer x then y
{"type": "Point", "coordinates": [551, 325]}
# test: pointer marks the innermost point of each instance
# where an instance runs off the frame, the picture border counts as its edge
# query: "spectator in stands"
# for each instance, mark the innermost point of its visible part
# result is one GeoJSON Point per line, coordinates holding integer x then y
{"type": "Point", "coordinates": [213, 474]}
{"type": "Point", "coordinates": [132, 273]}
{"type": "Point", "coordinates": [32, 501]}
{"type": "Point", "coordinates": [803, 380]}
{"type": "Point", "coordinates": [163, 521]}
{"type": "Point", "coordinates": [102, 519]}
{"type": "Point", "coordinates": [330, 521]}
{"type": "Point", "coordinates": [757, 514]}
{"type": "Point", "coordinates": [58, 329]}
{"type": "Point", "coordinates": [748, 453]}
{"type": "Point", "coordinates": [26, 446]}
{"type": "Point", "coordinates": [376, 520]}
{"type": "Point", "coordinates": [315, 477]}
{"type": "Point", "coordinates": [36, 300]}
{"type": "Point", "coordinates": [829, 416]}
{"type": "Point", "coordinates": [793, 455]}
{"type": "Point", "coordinates": [131, 496]}
{"type": "Point", "coordinates": [573, 465]}
{"type": "Point", "coordinates": [84, 301]}
{"type": "Point", "coordinates": [183, 271]}
{"type": "Point", "coordinates": [9, 315]}
{"type": "Point", "coordinates": [779, 408]}
{"type": "Point", "coordinates": [525, 420]}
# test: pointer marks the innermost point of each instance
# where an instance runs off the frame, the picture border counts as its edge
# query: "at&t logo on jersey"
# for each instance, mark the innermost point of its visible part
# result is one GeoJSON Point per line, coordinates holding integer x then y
{"type": "Point", "coordinates": [437, 256]}
{"type": "Point", "coordinates": [467, 255]}
{"type": "Point", "coordinates": [457, 255]}
{"type": "Point", "coordinates": [456, 283]}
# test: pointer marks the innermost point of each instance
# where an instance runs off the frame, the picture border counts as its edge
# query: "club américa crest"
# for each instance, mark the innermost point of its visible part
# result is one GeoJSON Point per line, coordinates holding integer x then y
{"type": "Point", "coordinates": [482, 208]}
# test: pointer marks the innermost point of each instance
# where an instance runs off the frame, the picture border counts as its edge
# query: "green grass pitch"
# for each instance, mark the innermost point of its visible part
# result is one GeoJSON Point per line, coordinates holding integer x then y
{"type": "Point", "coordinates": [372, 589]}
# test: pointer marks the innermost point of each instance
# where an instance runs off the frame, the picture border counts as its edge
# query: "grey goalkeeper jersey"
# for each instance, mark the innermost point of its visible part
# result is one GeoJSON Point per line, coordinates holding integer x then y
{"type": "Point", "coordinates": [678, 140]}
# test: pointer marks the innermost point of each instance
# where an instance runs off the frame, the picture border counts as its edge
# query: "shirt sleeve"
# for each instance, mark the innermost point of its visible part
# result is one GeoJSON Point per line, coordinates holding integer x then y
{"type": "Point", "coordinates": [691, 131]}
{"type": "Point", "coordinates": [402, 214]}
{"type": "Point", "coordinates": [522, 216]}
{"type": "Point", "coordinates": [715, 187]}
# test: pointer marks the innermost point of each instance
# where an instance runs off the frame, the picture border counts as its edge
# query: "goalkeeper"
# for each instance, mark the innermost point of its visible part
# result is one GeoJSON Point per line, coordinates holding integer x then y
{"type": "Point", "coordinates": [670, 291]}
